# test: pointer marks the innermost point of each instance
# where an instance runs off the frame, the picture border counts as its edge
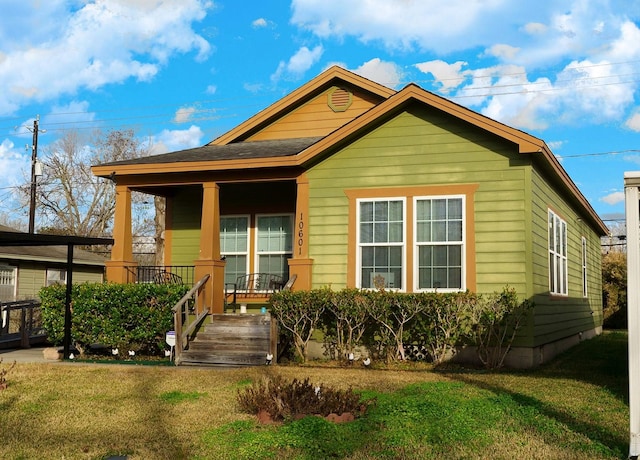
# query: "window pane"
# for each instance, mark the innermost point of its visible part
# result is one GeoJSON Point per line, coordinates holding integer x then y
{"type": "Point", "coordinates": [236, 266]}
{"type": "Point", "coordinates": [440, 278]}
{"type": "Point", "coordinates": [367, 256]}
{"type": "Point", "coordinates": [423, 232]}
{"type": "Point", "coordinates": [425, 278]}
{"type": "Point", "coordinates": [395, 211]}
{"type": "Point", "coordinates": [381, 233]}
{"type": "Point", "coordinates": [439, 231]}
{"type": "Point", "coordinates": [440, 256]}
{"type": "Point", "coordinates": [455, 208]}
{"type": "Point", "coordinates": [439, 209]}
{"type": "Point", "coordinates": [381, 256]}
{"type": "Point", "coordinates": [366, 233]}
{"type": "Point", "coordinates": [381, 211]}
{"type": "Point", "coordinates": [455, 231]}
{"type": "Point", "coordinates": [395, 256]}
{"type": "Point", "coordinates": [366, 212]}
{"type": "Point", "coordinates": [395, 232]}
{"type": "Point", "coordinates": [423, 210]}
{"type": "Point", "coordinates": [455, 256]}
{"type": "Point", "coordinates": [455, 278]}
{"type": "Point", "coordinates": [273, 264]}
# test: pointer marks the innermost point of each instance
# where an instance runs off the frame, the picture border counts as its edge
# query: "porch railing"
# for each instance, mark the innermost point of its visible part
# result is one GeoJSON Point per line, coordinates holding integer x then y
{"type": "Point", "coordinates": [185, 321]}
{"type": "Point", "coordinates": [21, 323]}
{"type": "Point", "coordinates": [161, 274]}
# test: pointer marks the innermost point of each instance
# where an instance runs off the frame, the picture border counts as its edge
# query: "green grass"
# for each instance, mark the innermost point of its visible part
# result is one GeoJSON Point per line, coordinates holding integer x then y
{"type": "Point", "coordinates": [575, 407]}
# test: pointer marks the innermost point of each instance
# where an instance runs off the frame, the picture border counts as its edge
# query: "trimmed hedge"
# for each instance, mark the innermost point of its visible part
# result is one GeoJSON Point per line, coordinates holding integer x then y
{"type": "Point", "coordinates": [124, 316]}
{"type": "Point", "coordinates": [387, 323]}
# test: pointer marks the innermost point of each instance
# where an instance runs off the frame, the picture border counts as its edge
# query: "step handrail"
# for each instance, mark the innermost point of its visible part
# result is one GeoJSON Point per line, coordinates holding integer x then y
{"type": "Point", "coordinates": [181, 310]}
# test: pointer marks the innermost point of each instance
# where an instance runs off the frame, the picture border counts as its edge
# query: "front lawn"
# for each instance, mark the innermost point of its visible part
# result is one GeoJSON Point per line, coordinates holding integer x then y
{"type": "Point", "coordinates": [575, 407]}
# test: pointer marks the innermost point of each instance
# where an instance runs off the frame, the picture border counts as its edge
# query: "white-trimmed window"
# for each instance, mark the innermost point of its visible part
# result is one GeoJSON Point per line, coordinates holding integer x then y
{"type": "Point", "coordinates": [585, 292]}
{"type": "Point", "coordinates": [558, 276]}
{"type": "Point", "coordinates": [381, 243]}
{"type": "Point", "coordinates": [234, 246]}
{"type": "Point", "coordinates": [274, 244]}
{"type": "Point", "coordinates": [439, 243]}
{"type": "Point", "coordinates": [56, 276]}
{"type": "Point", "coordinates": [8, 282]}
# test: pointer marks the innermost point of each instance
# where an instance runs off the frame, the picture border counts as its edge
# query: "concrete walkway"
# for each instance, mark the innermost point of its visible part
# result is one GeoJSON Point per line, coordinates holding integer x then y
{"type": "Point", "coordinates": [24, 355]}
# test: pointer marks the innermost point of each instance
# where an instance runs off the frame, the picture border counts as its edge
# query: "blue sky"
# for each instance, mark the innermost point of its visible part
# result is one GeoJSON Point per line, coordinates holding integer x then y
{"type": "Point", "coordinates": [182, 72]}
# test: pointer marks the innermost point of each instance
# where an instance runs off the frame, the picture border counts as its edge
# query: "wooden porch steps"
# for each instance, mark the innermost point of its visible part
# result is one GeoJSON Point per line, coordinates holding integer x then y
{"type": "Point", "coordinates": [231, 340]}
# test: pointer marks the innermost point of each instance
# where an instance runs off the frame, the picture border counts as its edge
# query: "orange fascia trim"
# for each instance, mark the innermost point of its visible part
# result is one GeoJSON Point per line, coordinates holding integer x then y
{"type": "Point", "coordinates": [526, 143]}
{"type": "Point", "coordinates": [286, 103]}
{"type": "Point", "coordinates": [409, 193]}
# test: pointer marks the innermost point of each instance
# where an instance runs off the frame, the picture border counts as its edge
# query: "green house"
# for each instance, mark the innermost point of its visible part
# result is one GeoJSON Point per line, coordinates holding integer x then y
{"type": "Point", "coordinates": [24, 270]}
{"type": "Point", "coordinates": [348, 183]}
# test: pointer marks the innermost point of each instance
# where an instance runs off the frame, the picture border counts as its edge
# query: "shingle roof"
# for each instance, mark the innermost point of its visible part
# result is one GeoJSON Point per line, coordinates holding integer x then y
{"type": "Point", "coordinates": [234, 151]}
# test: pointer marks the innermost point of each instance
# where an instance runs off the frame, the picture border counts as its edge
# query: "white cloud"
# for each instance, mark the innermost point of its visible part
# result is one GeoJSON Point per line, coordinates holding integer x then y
{"type": "Point", "coordinates": [260, 22]}
{"type": "Point", "coordinates": [569, 61]}
{"type": "Point", "coordinates": [14, 163]}
{"type": "Point", "coordinates": [177, 139]}
{"type": "Point", "coordinates": [385, 73]}
{"type": "Point", "coordinates": [92, 44]}
{"type": "Point", "coordinates": [184, 114]}
{"type": "Point", "coordinates": [613, 198]}
{"type": "Point", "coordinates": [555, 145]}
{"type": "Point", "coordinates": [299, 63]}
{"type": "Point", "coordinates": [211, 89]}
{"type": "Point", "coordinates": [504, 52]}
{"type": "Point", "coordinates": [447, 76]}
{"type": "Point", "coordinates": [535, 28]}
{"type": "Point", "coordinates": [633, 122]}
{"type": "Point", "coordinates": [429, 24]}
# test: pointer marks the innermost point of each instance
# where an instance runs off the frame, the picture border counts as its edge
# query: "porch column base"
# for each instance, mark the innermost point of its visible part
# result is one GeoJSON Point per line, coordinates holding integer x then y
{"type": "Point", "coordinates": [212, 296]}
{"type": "Point", "coordinates": [303, 269]}
{"type": "Point", "coordinates": [121, 271]}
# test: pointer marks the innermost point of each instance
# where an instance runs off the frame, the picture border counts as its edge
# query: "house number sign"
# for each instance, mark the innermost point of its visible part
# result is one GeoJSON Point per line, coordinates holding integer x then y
{"type": "Point", "coordinates": [300, 234]}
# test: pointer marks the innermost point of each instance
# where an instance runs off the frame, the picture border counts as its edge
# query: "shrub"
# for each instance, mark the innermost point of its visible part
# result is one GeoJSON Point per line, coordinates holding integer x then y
{"type": "Point", "coordinates": [497, 319]}
{"type": "Point", "coordinates": [443, 324]}
{"type": "Point", "coordinates": [393, 311]}
{"type": "Point", "coordinates": [284, 400]}
{"type": "Point", "coordinates": [299, 312]}
{"type": "Point", "coordinates": [346, 321]}
{"type": "Point", "coordinates": [124, 316]}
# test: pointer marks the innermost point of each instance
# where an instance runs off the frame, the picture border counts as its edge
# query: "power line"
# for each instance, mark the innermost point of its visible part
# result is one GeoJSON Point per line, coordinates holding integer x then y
{"type": "Point", "coordinates": [192, 104]}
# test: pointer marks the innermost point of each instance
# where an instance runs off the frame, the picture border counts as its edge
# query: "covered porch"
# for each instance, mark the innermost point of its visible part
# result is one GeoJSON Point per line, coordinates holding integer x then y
{"type": "Point", "coordinates": [225, 228]}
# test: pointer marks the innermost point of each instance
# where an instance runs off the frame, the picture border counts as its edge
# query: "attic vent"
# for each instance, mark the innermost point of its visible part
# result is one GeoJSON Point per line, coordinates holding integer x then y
{"type": "Point", "coordinates": [340, 99]}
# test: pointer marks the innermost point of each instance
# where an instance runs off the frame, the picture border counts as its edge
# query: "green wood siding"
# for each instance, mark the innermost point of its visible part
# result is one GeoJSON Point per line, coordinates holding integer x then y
{"type": "Point", "coordinates": [557, 317]}
{"type": "Point", "coordinates": [185, 226]}
{"type": "Point", "coordinates": [416, 148]}
{"type": "Point", "coordinates": [32, 276]}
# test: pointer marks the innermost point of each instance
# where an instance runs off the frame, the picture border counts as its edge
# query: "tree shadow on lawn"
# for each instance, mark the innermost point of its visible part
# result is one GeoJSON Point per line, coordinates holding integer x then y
{"type": "Point", "coordinates": [601, 361]}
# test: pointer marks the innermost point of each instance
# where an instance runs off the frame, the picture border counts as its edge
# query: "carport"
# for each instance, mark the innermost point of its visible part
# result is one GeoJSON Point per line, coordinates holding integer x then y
{"type": "Point", "coordinates": [30, 239]}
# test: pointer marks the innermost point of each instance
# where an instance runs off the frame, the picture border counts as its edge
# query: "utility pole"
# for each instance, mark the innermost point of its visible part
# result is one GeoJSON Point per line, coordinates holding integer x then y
{"type": "Point", "coordinates": [34, 174]}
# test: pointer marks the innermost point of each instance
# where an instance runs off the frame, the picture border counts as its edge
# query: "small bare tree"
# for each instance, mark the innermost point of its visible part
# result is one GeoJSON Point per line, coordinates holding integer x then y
{"type": "Point", "coordinates": [72, 201]}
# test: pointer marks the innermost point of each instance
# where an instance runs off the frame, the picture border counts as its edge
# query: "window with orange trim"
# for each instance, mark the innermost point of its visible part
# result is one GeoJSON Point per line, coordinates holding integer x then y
{"type": "Point", "coordinates": [381, 243]}
{"type": "Point", "coordinates": [439, 243]}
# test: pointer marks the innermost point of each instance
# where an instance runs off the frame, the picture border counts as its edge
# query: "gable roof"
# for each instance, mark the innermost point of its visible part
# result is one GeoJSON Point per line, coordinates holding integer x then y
{"type": "Point", "coordinates": [231, 152]}
{"type": "Point", "coordinates": [333, 76]}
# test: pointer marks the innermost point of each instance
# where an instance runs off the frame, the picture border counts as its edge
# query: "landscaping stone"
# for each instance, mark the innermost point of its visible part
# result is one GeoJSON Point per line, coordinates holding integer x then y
{"type": "Point", "coordinates": [52, 353]}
